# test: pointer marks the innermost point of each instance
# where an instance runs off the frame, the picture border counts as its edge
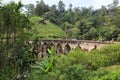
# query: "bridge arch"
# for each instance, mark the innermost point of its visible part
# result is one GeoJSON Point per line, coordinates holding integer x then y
{"type": "Point", "coordinates": [78, 47]}
{"type": "Point", "coordinates": [67, 48]}
{"type": "Point", "coordinates": [59, 48]}
{"type": "Point", "coordinates": [51, 45]}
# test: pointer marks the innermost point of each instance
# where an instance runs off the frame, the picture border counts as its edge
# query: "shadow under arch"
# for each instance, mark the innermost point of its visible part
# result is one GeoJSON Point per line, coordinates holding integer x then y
{"type": "Point", "coordinates": [59, 48]}
{"type": "Point", "coordinates": [51, 45]}
{"type": "Point", "coordinates": [67, 49]}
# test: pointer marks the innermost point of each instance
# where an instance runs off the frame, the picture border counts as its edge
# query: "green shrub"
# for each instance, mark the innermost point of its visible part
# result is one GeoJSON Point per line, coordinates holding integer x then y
{"type": "Point", "coordinates": [107, 74]}
{"type": "Point", "coordinates": [95, 61]}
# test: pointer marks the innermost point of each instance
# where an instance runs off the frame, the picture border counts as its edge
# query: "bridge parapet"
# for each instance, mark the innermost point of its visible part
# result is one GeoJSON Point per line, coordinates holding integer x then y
{"type": "Point", "coordinates": [78, 41]}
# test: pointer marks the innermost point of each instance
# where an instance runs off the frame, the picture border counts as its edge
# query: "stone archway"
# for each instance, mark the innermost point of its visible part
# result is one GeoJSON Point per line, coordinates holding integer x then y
{"type": "Point", "coordinates": [51, 45]}
{"type": "Point", "coordinates": [67, 49]}
{"type": "Point", "coordinates": [78, 47]}
{"type": "Point", "coordinates": [59, 48]}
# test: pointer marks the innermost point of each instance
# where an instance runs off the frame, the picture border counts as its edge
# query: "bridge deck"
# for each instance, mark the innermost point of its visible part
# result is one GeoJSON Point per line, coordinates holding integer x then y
{"type": "Point", "coordinates": [78, 41]}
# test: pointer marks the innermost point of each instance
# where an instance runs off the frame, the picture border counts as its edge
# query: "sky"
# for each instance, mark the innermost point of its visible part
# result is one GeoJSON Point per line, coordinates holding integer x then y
{"type": "Point", "coordinates": [76, 3]}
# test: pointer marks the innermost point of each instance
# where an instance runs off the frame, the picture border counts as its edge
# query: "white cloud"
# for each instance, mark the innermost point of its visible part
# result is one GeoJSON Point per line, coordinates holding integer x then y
{"type": "Point", "coordinates": [98, 3]}
{"type": "Point", "coordinates": [76, 3]}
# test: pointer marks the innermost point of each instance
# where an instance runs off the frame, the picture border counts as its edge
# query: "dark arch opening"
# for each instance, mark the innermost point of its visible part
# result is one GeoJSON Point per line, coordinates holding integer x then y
{"type": "Point", "coordinates": [67, 49]}
{"type": "Point", "coordinates": [59, 48]}
{"type": "Point", "coordinates": [51, 45]}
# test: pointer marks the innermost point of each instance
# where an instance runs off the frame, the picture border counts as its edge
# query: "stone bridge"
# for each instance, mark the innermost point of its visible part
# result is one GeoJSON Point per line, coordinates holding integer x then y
{"type": "Point", "coordinates": [64, 46]}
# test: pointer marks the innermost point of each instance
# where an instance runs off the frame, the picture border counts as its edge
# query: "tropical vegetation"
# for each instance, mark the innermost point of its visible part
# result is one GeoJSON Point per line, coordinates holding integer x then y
{"type": "Point", "coordinates": [19, 60]}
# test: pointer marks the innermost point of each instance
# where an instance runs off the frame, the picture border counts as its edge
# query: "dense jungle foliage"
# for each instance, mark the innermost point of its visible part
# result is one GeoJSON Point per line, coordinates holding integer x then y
{"type": "Point", "coordinates": [101, 64]}
{"type": "Point", "coordinates": [18, 60]}
{"type": "Point", "coordinates": [81, 23]}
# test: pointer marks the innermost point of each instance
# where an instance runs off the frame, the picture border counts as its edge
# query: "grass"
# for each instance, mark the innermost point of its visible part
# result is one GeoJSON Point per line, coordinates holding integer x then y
{"type": "Point", "coordinates": [46, 31]}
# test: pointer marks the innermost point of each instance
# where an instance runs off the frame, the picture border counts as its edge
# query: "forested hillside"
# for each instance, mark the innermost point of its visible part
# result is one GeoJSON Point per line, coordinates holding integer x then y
{"type": "Point", "coordinates": [81, 22]}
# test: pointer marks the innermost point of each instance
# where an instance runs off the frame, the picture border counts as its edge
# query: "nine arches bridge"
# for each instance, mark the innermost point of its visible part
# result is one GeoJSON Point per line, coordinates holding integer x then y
{"type": "Point", "coordinates": [64, 46]}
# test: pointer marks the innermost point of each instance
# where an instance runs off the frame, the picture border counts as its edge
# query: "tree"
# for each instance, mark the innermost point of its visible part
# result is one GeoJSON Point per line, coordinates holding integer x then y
{"type": "Point", "coordinates": [115, 34]}
{"type": "Point", "coordinates": [30, 9]}
{"type": "Point", "coordinates": [69, 15]}
{"type": "Point", "coordinates": [86, 11]}
{"type": "Point", "coordinates": [69, 33]}
{"type": "Point", "coordinates": [115, 3]}
{"type": "Point", "coordinates": [70, 7]}
{"type": "Point", "coordinates": [13, 25]}
{"type": "Point", "coordinates": [66, 26]}
{"type": "Point", "coordinates": [52, 14]}
{"type": "Point", "coordinates": [93, 34]}
{"type": "Point", "coordinates": [61, 7]}
{"type": "Point", "coordinates": [77, 15]}
{"type": "Point", "coordinates": [116, 18]}
{"type": "Point", "coordinates": [41, 8]}
{"type": "Point", "coordinates": [0, 2]}
{"type": "Point", "coordinates": [75, 33]}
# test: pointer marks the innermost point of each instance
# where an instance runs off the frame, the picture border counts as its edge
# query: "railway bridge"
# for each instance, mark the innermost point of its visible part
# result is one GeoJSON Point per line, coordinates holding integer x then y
{"type": "Point", "coordinates": [64, 46]}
